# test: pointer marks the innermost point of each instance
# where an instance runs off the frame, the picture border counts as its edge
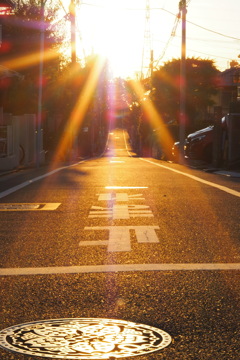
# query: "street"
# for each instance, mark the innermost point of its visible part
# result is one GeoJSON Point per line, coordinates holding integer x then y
{"type": "Point", "coordinates": [124, 238]}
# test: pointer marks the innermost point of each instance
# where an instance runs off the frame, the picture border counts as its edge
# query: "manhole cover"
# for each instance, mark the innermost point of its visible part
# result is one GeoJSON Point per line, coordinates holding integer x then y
{"type": "Point", "coordinates": [83, 338]}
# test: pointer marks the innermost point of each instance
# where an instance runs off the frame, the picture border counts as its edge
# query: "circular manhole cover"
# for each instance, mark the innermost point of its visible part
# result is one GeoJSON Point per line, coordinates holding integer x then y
{"type": "Point", "coordinates": [83, 338]}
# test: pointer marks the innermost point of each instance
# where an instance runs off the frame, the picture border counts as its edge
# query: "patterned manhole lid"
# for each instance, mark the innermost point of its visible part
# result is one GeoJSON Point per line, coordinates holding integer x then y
{"type": "Point", "coordinates": [83, 338]}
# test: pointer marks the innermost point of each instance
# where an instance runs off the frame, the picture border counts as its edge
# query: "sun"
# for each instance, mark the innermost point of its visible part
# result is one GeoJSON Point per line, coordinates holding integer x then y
{"type": "Point", "coordinates": [114, 32]}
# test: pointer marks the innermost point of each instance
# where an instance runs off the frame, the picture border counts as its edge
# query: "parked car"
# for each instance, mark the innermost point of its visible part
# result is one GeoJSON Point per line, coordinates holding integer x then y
{"type": "Point", "coordinates": [199, 145]}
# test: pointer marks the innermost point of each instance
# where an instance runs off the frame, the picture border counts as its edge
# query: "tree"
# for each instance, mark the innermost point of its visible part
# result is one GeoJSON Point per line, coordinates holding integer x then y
{"type": "Point", "coordinates": [20, 52]}
{"type": "Point", "coordinates": [21, 33]}
{"type": "Point", "coordinates": [201, 86]}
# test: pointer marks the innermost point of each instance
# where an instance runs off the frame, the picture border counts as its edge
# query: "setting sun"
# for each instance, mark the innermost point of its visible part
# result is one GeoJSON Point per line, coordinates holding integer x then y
{"type": "Point", "coordinates": [115, 32]}
{"type": "Point", "coordinates": [113, 40]}
{"type": "Point", "coordinates": [122, 31]}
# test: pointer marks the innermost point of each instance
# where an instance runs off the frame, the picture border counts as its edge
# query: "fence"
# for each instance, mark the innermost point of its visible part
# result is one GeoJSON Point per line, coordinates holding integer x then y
{"type": "Point", "coordinates": [18, 142]}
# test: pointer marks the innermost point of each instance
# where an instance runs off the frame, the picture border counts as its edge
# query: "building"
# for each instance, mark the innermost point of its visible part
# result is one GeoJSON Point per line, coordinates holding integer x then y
{"type": "Point", "coordinates": [229, 87]}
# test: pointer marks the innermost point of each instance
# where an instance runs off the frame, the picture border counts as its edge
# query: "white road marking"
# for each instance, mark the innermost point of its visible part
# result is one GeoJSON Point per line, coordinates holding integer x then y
{"type": "Point", "coordinates": [125, 187]}
{"type": "Point", "coordinates": [105, 197]}
{"type": "Point", "coordinates": [122, 197]}
{"type": "Point", "coordinates": [51, 206]}
{"type": "Point", "coordinates": [119, 239]}
{"type": "Point", "coordinates": [120, 212]}
{"type": "Point", "coordinates": [119, 236]}
{"type": "Point", "coordinates": [29, 206]}
{"type": "Point", "coordinates": [220, 187]}
{"type": "Point", "coordinates": [119, 197]}
{"type": "Point", "coordinates": [29, 182]}
{"type": "Point", "coordinates": [119, 268]}
{"type": "Point", "coordinates": [116, 161]}
{"type": "Point", "coordinates": [117, 211]}
{"type": "Point", "coordinates": [146, 235]}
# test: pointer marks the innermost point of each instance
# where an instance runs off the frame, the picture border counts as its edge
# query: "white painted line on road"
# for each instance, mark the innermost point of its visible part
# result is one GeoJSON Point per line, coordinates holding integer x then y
{"type": "Point", "coordinates": [119, 197]}
{"type": "Point", "coordinates": [125, 187]}
{"type": "Point", "coordinates": [220, 187]}
{"type": "Point", "coordinates": [51, 206]}
{"type": "Point", "coordinates": [115, 161]}
{"type": "Point", "coordinates": [29, 182]}
{"type": "Point", "coordinates": [120, 211]}
{"type": "Point", "coordinates": [119, 268]}
{"type": "Point", "coordinates": [29, 206]}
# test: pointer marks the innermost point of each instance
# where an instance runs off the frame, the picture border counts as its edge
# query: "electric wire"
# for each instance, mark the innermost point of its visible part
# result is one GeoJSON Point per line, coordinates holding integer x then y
{"type": "Point", "coordinates": [173, 32]}
{"type": "Point", "coordinates": [171, 13]}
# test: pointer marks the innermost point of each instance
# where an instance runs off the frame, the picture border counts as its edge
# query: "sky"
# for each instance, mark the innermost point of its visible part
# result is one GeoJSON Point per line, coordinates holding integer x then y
{"type": "Point", "coordinates": [126, 33]}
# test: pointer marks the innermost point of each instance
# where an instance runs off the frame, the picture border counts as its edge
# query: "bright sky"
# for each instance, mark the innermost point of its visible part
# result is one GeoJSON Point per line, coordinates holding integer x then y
{"type": "Point", "coordinates": [116, 28]}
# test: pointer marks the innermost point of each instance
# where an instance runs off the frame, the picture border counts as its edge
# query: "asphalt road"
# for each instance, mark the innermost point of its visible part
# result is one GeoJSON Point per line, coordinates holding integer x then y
{"type": "Point", "coordinates": [119, 237]}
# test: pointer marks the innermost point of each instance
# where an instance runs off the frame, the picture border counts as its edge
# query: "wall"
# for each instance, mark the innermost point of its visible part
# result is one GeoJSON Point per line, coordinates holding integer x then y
{"type": "Point", "coordinates": [21, 142]}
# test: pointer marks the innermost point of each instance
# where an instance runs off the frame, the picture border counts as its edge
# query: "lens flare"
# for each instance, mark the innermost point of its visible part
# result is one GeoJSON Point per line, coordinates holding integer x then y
{"type": "Point", "coordinates": [154, 118]}
{"type": "Point", "coordinates": [77, 116]}
{"type": "Point", "coordinates": [29, 60]}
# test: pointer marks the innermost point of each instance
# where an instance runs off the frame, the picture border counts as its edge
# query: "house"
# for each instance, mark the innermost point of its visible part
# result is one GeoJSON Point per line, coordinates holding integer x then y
{"type": "Point", "coordinates": [229, 88]}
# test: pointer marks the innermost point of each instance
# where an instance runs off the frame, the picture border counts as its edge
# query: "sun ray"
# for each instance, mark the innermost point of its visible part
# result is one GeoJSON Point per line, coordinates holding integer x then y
{"type": "Point", "coordinates": [79, 111]}
{"type": "Point", "coordinates": [29, 60]}
{"type": "Point", "coordinates": [163, 136]}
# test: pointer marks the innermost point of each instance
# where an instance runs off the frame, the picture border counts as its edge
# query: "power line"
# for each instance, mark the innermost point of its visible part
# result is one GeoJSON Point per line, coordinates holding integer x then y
{"type": "Point", "coordinates": [66, 12]}
{"type": "Point", "coordinates": [171, 13]}
{"type": "Point", "coordinates": [211, 55]}
{"type": "Point", "coordinates": [214, 32]}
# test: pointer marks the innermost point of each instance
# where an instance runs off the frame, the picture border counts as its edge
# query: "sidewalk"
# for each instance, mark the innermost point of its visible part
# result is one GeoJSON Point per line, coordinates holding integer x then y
{"type": "Point", "coordinates": [199, 165]}
{"type": "Point", "coordinates": [233, 174]}
{"type": "Point", "coordinates": [41, 168]}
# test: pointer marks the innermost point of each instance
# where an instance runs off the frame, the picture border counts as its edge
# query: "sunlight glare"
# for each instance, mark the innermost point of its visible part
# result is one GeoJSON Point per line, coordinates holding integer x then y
{"type": "Point", "coordinates": [29, 60]}
{"type": "Point", "coordinates": [77, 116]}
{"type": "Point", "coordinates": [113, 33]}
{"type": "Point", "coordinates": [154, 118]}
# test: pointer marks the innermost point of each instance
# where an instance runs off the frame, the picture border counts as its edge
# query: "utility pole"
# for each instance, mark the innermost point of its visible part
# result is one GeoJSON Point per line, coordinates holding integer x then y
{"type": "Point", "coordinates": [40, 90]}
{"type": "Point", "coordinates": [72, 10]}
{"type": "Point", "coordinates": [182, 123]}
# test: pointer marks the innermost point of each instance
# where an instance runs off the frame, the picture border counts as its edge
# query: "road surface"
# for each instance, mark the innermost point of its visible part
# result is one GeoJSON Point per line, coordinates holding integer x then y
{"type": "Point", "coordinates": [119, 237]}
